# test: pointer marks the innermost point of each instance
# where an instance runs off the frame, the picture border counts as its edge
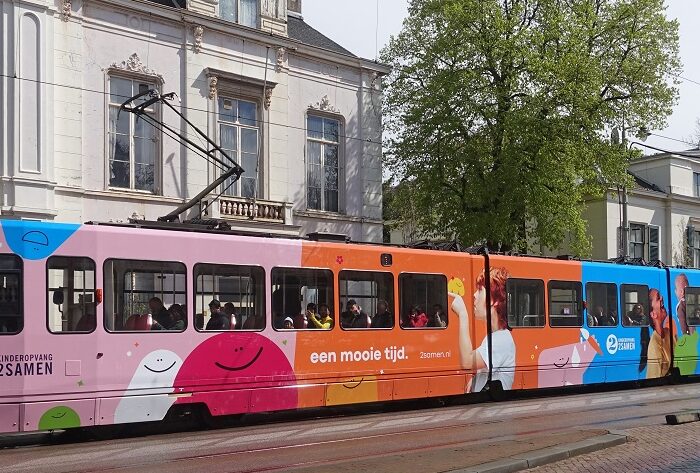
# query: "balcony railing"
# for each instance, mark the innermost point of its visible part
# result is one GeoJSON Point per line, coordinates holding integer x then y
{"type": "Point", "coordinates": [239, 208]}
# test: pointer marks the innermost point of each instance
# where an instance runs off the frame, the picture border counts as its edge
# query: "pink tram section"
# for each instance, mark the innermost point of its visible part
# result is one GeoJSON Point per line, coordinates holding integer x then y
{"type": "Point", "coordinates": [109, 324]}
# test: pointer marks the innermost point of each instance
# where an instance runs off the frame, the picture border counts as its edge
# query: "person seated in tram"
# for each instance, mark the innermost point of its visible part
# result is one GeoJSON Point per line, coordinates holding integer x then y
{"type": "Point", "coordinates": [288, 324]}
{"type": "Point", "coordinates": [416, 318]}
{"type": "Point", "coordinates": [251, 322]}
{"type": "Point", "coordinates": [437, 318]}
{"type": "Point", "coordinates": [230, 312]}
{"type": "Point", "coordinates": [301, 320]}
{"type": "Point", "coordinates": [323, 319]}
{"type": "Point", "coordinates": [383, 318]}
{"type": "Point", "coordinates": [636, 315]}
{"type": "Point", "coordinates": [177, 317]}
{"type": "Point", "coordinates": [219, 320]}
{"type": "Point", "coordinates": [160, 315]}
{"type": "Point", "coordinates": [354, 316]}
{"type": "Point", "coordinates": [595, 316]}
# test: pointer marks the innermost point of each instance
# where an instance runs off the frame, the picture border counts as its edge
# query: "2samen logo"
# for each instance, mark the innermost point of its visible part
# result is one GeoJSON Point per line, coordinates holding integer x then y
{"type": "Point", "coordinates": [35, 364]}
{"type": "Point", "coordinates": [614, 344]}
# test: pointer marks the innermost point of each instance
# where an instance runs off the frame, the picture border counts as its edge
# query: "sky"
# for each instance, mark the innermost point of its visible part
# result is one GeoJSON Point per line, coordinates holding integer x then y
{"type": "Point", "coordinates": [356, 26]}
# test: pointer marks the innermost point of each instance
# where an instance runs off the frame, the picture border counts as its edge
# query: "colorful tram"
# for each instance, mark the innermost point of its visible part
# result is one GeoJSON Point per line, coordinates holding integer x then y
{"type": "Point", "coordinates": [79, 345]}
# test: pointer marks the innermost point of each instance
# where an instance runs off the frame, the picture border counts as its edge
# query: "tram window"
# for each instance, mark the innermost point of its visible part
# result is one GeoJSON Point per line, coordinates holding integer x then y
{"type": "Point", "coordinates": [71, 305]}
{"type": "Point", "coordinates": [374, 295]}
{"type": "Point", "coordinates": [692, 305]}
{"type": "Point", "coordinates": [525, 302]}
{"type": "Point", "coordinates": [239, 289]}
{"type": "Point", "coordinates": [635, 305]}
{"type": "Point", "coordinates": [299, 292]}
{"type": "Point", "coordinates": [423, 300]}
{"type": "Point", "coordinates": [565, 304]}
{"type": "Point", "coordinates": [137, 294]}
{"type": "Point", "coordinates": [601, 302]}
{"type": "Point", "coordinates": [11, 308]}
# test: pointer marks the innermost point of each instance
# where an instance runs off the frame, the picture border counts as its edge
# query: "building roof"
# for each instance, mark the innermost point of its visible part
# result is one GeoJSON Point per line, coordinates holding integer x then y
{"type": "Point", "coordinates": [641, 183]}
{"type": "Point", "coordinates": [301, 31]}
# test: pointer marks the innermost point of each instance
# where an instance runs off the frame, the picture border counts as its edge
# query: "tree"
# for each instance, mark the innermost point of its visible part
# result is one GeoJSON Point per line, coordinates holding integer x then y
{"type": "Point", "coordinates": [500, 111]}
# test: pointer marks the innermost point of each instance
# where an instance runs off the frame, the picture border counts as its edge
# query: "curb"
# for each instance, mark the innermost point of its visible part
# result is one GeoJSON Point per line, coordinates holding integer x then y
{"type": "Point", "coordinates": [544, 456]}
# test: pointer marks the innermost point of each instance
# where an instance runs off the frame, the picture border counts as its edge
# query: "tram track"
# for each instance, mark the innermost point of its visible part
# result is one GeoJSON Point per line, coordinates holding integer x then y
{"type": "Point", "coordinates": [280, 445]}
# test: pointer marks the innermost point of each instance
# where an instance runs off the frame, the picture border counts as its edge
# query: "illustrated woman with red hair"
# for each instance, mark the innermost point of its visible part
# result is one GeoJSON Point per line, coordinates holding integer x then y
{"type": "Point", "coordinates": [503, 356]}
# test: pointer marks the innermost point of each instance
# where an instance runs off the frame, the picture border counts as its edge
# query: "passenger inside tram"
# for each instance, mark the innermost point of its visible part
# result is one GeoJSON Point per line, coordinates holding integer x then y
{"type": "Point", "coordinates": [636, 315]}
{"type": "Point", "coordinates": [323, 320]}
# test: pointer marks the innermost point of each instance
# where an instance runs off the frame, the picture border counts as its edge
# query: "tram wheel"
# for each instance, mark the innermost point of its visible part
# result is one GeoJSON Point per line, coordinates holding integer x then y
{"type": "Point", "coordinates": [495, 391]}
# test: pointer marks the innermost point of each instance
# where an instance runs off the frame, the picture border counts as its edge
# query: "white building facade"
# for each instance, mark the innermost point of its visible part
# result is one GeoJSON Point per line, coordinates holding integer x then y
{"type": "Point", "coordinates": [663, 212]}
{"type": "Point", "coordinates": [298, 112]}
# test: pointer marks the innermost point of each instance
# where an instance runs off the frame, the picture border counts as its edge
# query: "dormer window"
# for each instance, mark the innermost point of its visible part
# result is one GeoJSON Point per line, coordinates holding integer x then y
{"type": "Point", "coordinates": [244, 12]}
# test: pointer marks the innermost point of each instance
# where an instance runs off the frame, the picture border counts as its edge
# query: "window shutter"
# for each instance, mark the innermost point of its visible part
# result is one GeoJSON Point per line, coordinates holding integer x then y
{"type": "Point", "coordinates": [653, 243]}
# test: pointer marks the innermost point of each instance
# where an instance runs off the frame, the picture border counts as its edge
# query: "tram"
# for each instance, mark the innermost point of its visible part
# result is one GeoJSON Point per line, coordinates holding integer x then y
{"type": "Point", "coordinates": [104, 324]}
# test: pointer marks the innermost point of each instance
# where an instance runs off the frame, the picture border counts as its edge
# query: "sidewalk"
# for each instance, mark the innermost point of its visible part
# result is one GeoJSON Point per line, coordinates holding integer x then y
{"type": "Point", "coordinates": [662, 448]}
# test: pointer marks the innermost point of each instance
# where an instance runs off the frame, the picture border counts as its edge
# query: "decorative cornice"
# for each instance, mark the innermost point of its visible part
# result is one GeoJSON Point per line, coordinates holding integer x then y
{"type": "Point", "coordinates": [198, 32]}
{"type": "Point", "coordinates": [65, 9]}
{"type": "Point", "coordinates": [325, 105]}
{"type": "Point", "coordinates": [134, 64]}
{"type": "Point", "coordinates": [213, 80]}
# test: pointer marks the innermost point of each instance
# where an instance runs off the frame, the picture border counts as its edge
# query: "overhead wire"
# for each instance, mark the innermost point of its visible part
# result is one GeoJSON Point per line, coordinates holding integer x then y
{"type": "Point", "coordinates": [193, 109]}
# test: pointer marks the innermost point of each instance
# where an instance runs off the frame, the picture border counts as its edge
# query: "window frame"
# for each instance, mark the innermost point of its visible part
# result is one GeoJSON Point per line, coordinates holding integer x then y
{"type": "Point", "coordinates": [156, 83]}
{"type": "Point", "coordinates": [104, 297]}
{"type": "Point", "coordinates": [263, 281]}
{"type": "Point", "coordinates": [445, 301]}
{"type": "Point", "coordinates": [226, 94]}
{"type": "Point", "coordinates": [696, 184]}
{"type": "Point", "coordinates": [695, 291]}
{"type": "Point", "coordinates": [238, 14]}
{"type": "Point", "coordinates": [651, 245]}
{"type": "Point", "coordinates": [616, 291]}
{"type": "Point", "coordinates": [48, 288]}
{"type": "Point", "coordinates": [694, 249]}
{"type": "Point", "coordinates": [544, 303]}
{"type": "Point", "coordinates": [645, 304]}
{"type": "Point", "coordinates": [20, 271]}
{"type": "Point", "coordinates": [634, 244]}
{"type": "Point", "coordinates": [392, 304]}
{"type": "Point", "coordinates": [333, 293]}
{"type": "Point", "coordinates": [341, 160]}
{"type": "Point", "coordinates": [579, 303]}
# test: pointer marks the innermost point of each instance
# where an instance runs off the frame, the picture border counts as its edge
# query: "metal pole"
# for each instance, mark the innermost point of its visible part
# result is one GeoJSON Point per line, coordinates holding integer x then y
{"type": "Point", "coordinates": [625, 222]}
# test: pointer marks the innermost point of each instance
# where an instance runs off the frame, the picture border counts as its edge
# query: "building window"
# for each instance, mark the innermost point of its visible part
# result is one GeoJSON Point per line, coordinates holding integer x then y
{"type": "Point", "coordinates": [244, 12]}
{"type": "Point", "coordinates": [239, 137]}
{"type": "Point", "coordinates": [637, 240]}
{"type": "Point", "coordinates": [133, 143]}
{"type": "Point", "coordinates": [696, 183]}
{"type": "Point", "coordinates": [644, 241]}
{"type": "Point", "coordinates": [71, 295]}
{"type": "Point", "coordinates": [654, 253]}
{"type": "Point", "coordinates": [323, 163]}
{"type": "Point", "coordinates": [694, 247]}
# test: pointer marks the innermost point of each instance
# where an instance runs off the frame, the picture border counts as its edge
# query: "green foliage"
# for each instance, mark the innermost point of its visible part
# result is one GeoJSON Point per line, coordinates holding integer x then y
{"type": "Point", "coordinates": [500, 111]}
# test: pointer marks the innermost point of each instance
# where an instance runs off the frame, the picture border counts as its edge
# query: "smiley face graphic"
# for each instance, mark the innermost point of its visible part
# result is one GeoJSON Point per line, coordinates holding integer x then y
{"type": "Point", "coordinates": [456, 286]}
{"type": "Point", "coordinates": [219, 367]}
{"type": "Point", "coordinates": [59, 417]}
